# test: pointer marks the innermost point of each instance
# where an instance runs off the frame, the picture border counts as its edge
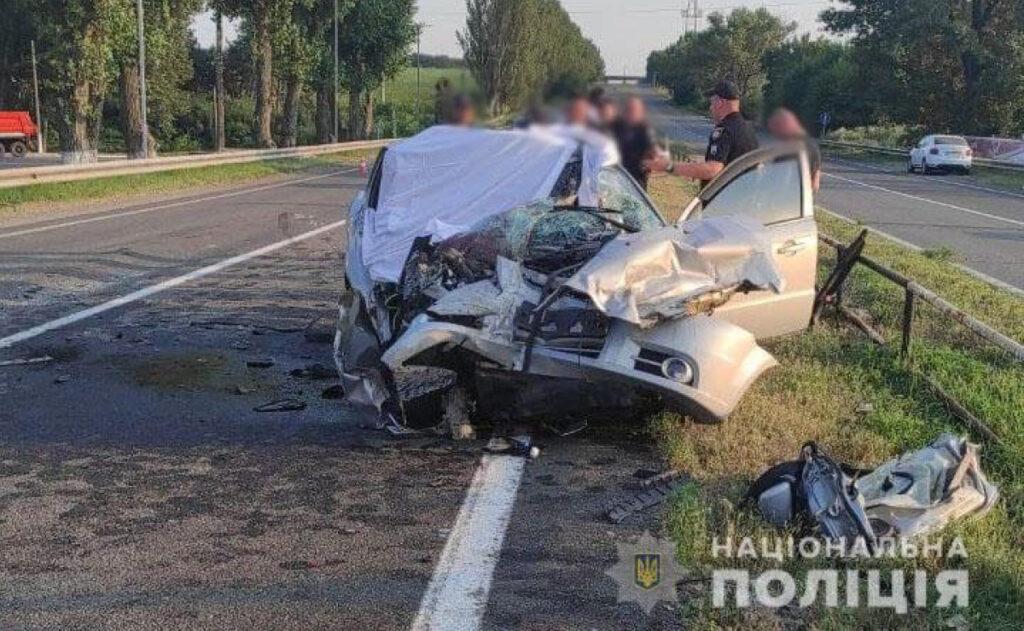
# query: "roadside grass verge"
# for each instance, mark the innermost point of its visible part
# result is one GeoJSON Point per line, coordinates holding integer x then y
{"type": "Point", "coordinates": [127, 186]}
{"type": "Point", "coordinates": [863, 405]}
{"type": "Point", "coordinates": [1012, 181]}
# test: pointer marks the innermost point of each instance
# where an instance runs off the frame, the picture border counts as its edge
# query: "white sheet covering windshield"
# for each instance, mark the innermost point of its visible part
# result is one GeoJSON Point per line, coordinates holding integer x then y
{"type": "Point", "coordinates": [446, 179]}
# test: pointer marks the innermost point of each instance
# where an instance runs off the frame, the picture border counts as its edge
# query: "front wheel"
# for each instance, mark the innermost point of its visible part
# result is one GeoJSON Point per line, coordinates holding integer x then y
{"type": "Point", "coordinates": [18, 149]}
{"type": "Point", "coordinates": [910, 165]}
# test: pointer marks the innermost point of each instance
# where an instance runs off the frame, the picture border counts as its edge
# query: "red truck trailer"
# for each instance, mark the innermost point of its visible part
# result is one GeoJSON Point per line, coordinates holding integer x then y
{"type": "Point", "coordinates": [17, 133]}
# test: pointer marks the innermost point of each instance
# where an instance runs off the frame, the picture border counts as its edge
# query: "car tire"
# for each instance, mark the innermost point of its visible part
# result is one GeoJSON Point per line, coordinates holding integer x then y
{"type": "Point", "coordinates": [3, 149]}
{"type": "Point", "coordinates": [910, 165]}
{"type": "Point", "coordinates": [18, 149]}
{"type": "Point", "coordinates": [925, 169]}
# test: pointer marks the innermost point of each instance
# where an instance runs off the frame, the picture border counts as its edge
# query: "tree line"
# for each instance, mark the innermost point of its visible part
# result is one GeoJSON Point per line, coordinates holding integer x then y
{"type": "Point", "coordinates": [522, 50]}
{"type": "Point", "coordinates": [952, 66]}
{"type": "Point", "coordinates": [281, 64]}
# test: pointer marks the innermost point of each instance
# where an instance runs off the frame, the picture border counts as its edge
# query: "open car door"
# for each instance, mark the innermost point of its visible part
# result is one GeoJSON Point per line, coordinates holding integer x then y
{"type": "Point", "coordinates": [772, 186]}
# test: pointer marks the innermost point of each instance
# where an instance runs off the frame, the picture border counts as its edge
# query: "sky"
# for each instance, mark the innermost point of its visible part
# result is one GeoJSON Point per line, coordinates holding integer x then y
{"type": "Point", "coordinates": [626, 31]}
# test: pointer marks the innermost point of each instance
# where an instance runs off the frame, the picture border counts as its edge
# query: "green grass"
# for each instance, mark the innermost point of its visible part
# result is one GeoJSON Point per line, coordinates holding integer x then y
{"type": "Point", "coordinates": [402, 89]}
{"type": "Point", "coordinates": [825, 376]}
{"type": "Point", "coordinates": [127, 186]}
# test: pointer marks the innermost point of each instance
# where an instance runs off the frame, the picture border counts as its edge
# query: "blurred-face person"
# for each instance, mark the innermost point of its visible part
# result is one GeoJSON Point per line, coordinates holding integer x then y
{"type": "Point", "coordinates": [577, 113]}
{"type": "Point", "coordinates": [608, 113]}
{"type": "Point", "coordinates": [465, 113]}
{"type": "Point", "coordinates": [784, 125]}
{"type": "Point", "coordinates": [636, 112]}
{"type": "Point", "coordinates": [635, 140]}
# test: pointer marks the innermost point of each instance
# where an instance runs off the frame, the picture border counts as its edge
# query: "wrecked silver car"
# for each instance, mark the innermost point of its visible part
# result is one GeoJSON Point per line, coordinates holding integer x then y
{"type": "Point", "coordinates": [512, 274]}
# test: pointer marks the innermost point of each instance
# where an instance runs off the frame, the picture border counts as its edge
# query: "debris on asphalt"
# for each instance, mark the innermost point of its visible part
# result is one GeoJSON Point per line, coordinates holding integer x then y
{"type": "Point", "coordinates": [565, 429]}
{"type": "Point", "coordinates": [260, 363]}
{"type": "Point", "coordinates": [334, 392]}
{"type": "Point", "coordinates": [656, 493]}
{"type": "Point", "coordinates": [315, 371]}
{"type": "Point", "coordinates": [512, 446]}
{"type": "Point", "coordinates": [283, 405]}
{"type": "Point", "coordinates": [244, 390]}
{"type": "Point", "coordinates": [658, 478]}
{"type": "Point", "coordinates": [62, 379]}
{"type": "Point", "coordinates": [26, 361]}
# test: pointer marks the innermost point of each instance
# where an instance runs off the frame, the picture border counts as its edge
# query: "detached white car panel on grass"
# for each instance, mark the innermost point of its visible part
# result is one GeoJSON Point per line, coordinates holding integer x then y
{"type": "Point", "coordinates": [579, 298]}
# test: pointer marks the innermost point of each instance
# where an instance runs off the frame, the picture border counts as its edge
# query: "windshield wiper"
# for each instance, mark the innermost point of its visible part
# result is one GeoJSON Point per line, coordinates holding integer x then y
{"type": "Point", "coordinates": [594, 211]}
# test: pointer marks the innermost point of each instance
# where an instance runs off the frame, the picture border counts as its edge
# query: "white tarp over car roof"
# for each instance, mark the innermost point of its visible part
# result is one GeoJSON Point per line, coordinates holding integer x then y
{"type": "Point", "coordinates": [445, 179]}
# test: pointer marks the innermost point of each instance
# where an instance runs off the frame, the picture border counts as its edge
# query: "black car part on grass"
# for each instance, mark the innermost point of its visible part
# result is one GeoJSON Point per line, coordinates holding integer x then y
{"type": "Point", "coordinates": [817, 489]}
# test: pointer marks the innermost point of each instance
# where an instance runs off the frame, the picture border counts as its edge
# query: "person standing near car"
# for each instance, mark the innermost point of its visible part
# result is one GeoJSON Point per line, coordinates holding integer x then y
{"type": "Point", "coordinates": [731, 138]}
{"type": "Point", "coordinates": [633, 135]}
{"type": "Point", "coordinates": [784, 125]}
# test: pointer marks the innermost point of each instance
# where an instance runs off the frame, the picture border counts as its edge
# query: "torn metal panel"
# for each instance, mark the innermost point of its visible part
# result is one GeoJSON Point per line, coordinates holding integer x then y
{"type": "Point", "coordinates": [495, 302]}
{"type": "Point", "coordinates": [654, 275]}
{"type": "Point", "coordinates": [922, 491]}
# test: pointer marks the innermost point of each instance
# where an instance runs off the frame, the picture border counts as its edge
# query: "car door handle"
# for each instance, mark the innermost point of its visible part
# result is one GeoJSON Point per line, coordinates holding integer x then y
{"type": "Point", "coordinates": [792, 248]}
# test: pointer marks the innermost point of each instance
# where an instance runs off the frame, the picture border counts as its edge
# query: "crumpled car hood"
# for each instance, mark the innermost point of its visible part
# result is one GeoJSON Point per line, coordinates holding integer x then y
{"type": "Point", "coordinates": [653, 275]}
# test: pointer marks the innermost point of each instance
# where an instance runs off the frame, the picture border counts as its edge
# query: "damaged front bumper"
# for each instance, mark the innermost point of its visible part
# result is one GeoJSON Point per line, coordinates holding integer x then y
{"type": "Point", "coordinates": [700, 366]}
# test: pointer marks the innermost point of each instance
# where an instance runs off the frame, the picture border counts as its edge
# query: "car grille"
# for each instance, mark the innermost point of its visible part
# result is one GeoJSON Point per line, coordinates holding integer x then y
{"type": "Point", "coordinates": [650, 361]}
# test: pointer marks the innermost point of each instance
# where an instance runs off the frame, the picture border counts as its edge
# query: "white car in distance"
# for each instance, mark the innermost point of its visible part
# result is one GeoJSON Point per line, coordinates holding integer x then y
{"type": "Point", "coordinates": [941, 153]}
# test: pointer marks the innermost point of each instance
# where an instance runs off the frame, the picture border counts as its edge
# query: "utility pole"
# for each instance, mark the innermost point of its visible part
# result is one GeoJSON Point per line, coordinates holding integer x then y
{"type": "Point", "coordinates": [218, 89]}
{"type": "Point", "coordinates": [142, 79]}
{"type": "Point", "coordinates": [336, 130]}
{"type": "Point", "coordinates": [35, 88]}
{"type": "Point", "coordinates": [419, 62]}
{"type": "Point", "coordinates": [692, 11]}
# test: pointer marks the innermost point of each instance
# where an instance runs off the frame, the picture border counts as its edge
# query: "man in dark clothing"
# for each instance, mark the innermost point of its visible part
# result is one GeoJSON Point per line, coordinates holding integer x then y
{"type": "Point", "coordinates": [731, 138]}
{"type": "Point", "coordinates": [632, 133]}
{"type": "Point", "coordinates": [784, 125]}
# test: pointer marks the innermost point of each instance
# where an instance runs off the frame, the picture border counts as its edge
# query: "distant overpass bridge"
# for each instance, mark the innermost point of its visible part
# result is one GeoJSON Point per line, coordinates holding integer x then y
{"type": "Point", "coordinates": [622, 78]}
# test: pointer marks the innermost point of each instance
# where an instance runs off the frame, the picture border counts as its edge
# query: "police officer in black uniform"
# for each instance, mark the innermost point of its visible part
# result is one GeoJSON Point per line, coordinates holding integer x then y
{"type": "Point", "coordinates": [732, 137]}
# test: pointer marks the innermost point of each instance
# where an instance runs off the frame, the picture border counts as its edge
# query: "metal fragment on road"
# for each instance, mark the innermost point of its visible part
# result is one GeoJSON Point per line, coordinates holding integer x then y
{"type": "Point", "coordinates": [283, 405]}
{"type": "Point", "coordinates": [657, 490]}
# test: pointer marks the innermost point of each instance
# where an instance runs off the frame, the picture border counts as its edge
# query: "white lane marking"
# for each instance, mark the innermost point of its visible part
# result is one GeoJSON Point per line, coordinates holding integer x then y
{"type": "Point", "coordinates": [146, 292]}
{"type": "Point", "coordinates": [926, 200]}
{"type": "Point", "coordinates": [456, 597]}
{"type": "Point", "coordinates": [186, 202]}
{"type": "Point", "coordinates": [976, 187]}
{"type": "Point", "coordinates": [982, 276]}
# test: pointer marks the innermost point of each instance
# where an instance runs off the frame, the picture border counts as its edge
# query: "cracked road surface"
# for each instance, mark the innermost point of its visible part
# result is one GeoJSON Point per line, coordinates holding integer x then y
{"type": "Point", "coordinates": [140, 489]}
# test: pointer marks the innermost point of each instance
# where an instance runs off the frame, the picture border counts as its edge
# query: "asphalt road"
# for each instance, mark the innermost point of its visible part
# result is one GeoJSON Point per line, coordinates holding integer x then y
{"type": "Point", "coordinates": [984, 226]}
{"type": "Point", "coordinates": [140, 489]}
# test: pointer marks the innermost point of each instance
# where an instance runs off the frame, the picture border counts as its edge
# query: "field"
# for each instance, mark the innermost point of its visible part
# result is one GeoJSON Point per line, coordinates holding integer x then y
{"type": "Point", "coordinates": [864, 405]}
{"type": "Point", "coordinates": [402, 89]}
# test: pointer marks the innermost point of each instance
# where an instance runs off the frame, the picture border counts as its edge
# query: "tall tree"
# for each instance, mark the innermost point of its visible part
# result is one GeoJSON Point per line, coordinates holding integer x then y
{"type": "Point", "coordinates": [520, 49]}
{"type": "Point", "coordinates": [374, 41]}
{"type": "Point", "coordinates": [955, 65]}
{"type": "Point", "coordinates": [732, 46]}
{"type": "Point", "coordinates": [168, 67]}
{"type": "Point", "coordinates": [75, 65]}
{"type": "Point", "coordinates": [263, 18]}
